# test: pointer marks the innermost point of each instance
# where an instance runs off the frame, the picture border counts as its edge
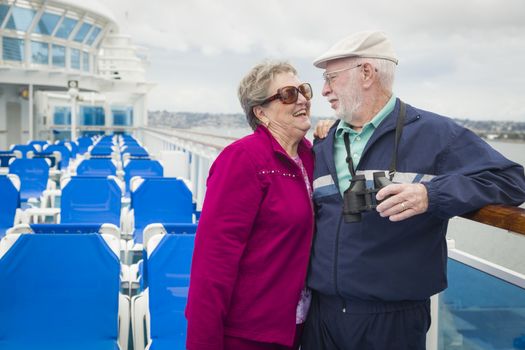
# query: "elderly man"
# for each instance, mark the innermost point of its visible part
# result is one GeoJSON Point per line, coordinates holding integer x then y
{"type": "Point", "coordinates": [373, 269]}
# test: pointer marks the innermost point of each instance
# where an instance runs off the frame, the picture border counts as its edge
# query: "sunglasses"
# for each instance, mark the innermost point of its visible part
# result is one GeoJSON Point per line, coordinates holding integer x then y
{"type": "Point", "coordinates": [290, 94]}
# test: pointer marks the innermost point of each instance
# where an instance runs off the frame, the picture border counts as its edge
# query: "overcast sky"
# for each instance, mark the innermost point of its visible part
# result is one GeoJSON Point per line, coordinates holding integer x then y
{"type": "Point", "coordinates": [464, 59]}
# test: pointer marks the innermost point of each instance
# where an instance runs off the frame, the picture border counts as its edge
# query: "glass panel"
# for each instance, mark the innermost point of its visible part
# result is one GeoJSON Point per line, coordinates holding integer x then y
{"type": "Point", "coordinates": [92, 133]}
{"type": "Point", "coordinates": [61, 135]}
{"type": "Point", "coordinates": [75, 58]}
{"type": "Point", "coordinates": [59, 56]}
{"type": "Point", "coordinates": [3, 12]}
{"type": "Point", "coordinates": [66, 27]}
{"type": "Point", "coordinates": [39, 52]}
{"type": "Point", "coordinates": [92, 115]}
{"type": "Point", "coordinates": [81, 34]}
{"type": "Point", "coordinates": [85, 61]}
{"type": "Point", "coordinates": [47, 23]}
{"type": "Point", "coordinates": [480, 311]}
{"type": "Point", "coordinates": [62, 116]}
{"type": "Point", "coordinates": [93, 35]}
{"type": "Point", "coordinates": [20, 18]}
{"type": "Point", "coordinates": [13, 49]}
{"type": "Point", "coordinates": [122, 116]}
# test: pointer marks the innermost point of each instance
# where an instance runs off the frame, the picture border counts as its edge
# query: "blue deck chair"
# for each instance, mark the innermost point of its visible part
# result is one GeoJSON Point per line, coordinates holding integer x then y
{"type": "Point", "coordinates": [53, 156]}
{"type": "Point", "coordinates": [65, 153]}
{"type": "Point", "coordinates": [90, 200]}
{"type": "Point", "coordinates": [75, 228]}
{"type": "Point", "coordinates": [97, 167]}
{"type": "Point", "coordinates": [38, 144]}
{"type": "Point", "coordinates": [160, 200]}
{"type": "Point", "coordinates": [135, 151]}
{"type": "Point", "coordinates": [168, 263]}
{"type": "Point", "coordinates": [101, 151]}
{"type": "Point", "coordinates": [83, 144]}
{"type": "Point", "coordinates": [55, 296]}
{"type": "Point", "coordinates": [73, 147]}
{"type": "Point", "coordinates": [142, 168]}
{"type": "Point", "coordinates": [33, 174]}
{"type": "Point", "coordinates": [23, 149]}
{"type": "Point", "coordinates": [5, 157]}
{"type": "Point", "coordinates": [10, 201]}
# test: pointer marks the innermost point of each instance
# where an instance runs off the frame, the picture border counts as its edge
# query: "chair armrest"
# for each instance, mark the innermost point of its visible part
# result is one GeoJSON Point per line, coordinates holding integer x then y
{"type": "Point", "coordinates": [50, 197]}
{"type": "Point", "coordinates": [127, 223]}
{"type": "Point", "coordinates": [140, 320]}
{"type": "Point", "coordinates": [131, 277]}
{"type": "Point", "coordinates": [123, 321]}
{"type": "Point", "coordinates": [32, 213]}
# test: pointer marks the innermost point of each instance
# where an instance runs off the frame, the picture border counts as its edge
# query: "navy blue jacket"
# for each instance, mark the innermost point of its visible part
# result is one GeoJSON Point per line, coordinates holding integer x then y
{"type": "Point", "coordinates": [376, 259]}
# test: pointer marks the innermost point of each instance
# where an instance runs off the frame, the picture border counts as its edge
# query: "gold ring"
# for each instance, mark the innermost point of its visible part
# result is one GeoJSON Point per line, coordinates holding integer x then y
{"type": "Point", "coordinates": [403, 206]}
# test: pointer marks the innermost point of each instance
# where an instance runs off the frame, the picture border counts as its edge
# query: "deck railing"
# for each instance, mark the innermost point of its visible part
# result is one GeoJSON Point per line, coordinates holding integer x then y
{"type": "Point", "coordinates": [209, 145]}
{"type": "Point", "coordinates": [464, 315]}
{"type": "Point", "coordinates": [501, 216]}
{"type": "Point", "coordinates": [484, 305]}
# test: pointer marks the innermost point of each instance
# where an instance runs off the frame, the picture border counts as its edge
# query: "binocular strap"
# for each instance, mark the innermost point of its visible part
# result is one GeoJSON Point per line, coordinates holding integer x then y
{"type": "Point", "coordinates": [399, 131]}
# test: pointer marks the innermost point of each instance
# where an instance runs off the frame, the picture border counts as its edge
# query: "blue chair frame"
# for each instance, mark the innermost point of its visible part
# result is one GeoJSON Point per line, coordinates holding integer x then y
{"type": "Point", "coordinates": [56, 296]}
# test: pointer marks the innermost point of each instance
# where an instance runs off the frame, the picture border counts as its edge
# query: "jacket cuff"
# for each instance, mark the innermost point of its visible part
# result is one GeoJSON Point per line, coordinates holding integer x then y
{"type": "Point", "coordinates": [433, 207]}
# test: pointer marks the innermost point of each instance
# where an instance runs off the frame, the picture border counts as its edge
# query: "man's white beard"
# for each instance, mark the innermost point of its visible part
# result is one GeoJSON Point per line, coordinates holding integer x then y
{"type": "Point", "coordinates": [349, 103]}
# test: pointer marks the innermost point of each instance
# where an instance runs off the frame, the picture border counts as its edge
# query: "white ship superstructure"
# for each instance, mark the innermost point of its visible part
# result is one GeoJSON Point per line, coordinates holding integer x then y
{"type": "Point", "coordinates": [47, 44]}
{"type": "Point", "coordinates": [73, 136]}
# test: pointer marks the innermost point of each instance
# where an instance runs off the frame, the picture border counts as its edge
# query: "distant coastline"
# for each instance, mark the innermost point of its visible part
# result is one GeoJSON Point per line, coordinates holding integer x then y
{"type": "Point", "coordinates": [491, 130]}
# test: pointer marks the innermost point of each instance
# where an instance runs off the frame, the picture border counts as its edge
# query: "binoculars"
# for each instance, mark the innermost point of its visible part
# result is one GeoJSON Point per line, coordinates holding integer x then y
{"type": "Point", "coordinates": [357, 198]}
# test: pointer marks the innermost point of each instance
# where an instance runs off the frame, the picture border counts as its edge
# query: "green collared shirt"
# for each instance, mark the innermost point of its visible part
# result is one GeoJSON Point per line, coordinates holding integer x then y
{"type": "Point", "coordinates": [358, 141]}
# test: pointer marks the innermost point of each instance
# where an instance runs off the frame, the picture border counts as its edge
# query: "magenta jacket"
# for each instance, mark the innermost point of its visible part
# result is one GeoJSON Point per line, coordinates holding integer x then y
{"type": "Point", "coordinates": [252, 245]}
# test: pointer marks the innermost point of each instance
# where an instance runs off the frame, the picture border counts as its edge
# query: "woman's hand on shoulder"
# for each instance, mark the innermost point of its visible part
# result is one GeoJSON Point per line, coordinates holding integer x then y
{"type": "Point", "coordinates": [322, 127]}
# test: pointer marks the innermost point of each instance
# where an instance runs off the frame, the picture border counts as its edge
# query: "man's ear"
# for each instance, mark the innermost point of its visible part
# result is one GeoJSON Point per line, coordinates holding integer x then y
{"type": "Point", "coordinates": [369, 73]}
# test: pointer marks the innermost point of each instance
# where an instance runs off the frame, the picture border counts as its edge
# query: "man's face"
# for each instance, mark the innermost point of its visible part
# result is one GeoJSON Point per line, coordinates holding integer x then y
{"type": "Point", "coordinates": [342, 88]}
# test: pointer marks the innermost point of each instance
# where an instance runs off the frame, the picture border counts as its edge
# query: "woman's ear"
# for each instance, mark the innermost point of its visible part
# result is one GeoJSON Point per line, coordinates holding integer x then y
{"type": "Point", "coordinates": [258, 111]}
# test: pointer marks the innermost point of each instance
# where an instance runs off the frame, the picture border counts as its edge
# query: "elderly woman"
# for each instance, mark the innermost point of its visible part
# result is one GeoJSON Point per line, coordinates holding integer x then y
{"type": "Point", "coordinates": [253, 240]}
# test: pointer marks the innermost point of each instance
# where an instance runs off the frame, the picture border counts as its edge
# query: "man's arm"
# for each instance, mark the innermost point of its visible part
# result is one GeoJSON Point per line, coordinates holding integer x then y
{"type": "Point", "coordinates": [471, 174]}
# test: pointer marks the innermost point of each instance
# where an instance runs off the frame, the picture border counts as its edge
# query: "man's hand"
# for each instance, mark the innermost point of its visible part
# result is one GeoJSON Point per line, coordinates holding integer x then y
{"type": "Point", "coordinates": [405, 201]}
{"type": "Point", "coordinates": [322, 127]}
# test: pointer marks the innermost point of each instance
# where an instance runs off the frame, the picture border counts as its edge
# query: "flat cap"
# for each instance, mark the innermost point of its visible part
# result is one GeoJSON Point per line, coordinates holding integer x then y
{"type": "Point", "coordinates": [371, 44]}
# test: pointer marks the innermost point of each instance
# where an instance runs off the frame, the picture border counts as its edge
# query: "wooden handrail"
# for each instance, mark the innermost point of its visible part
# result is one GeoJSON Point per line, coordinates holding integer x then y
{"type": "Point", "coordinates": [502, 216]}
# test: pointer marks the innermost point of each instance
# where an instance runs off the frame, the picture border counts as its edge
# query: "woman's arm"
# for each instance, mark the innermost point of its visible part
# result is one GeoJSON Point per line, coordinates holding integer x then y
{"type": "Point", "coordinates": [231, 204]}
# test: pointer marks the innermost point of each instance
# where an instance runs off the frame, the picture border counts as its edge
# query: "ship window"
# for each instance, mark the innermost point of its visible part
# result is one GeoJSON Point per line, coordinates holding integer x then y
{"type": "Point", "coordinates": [47, 23]}
{"type": "Point", "coordinates": [59, 56]}
{"type": "Point", "coordinates": [62, 116]}
{"type": "Point", "coordinates": [81, 34]}
{"type": "Point", "coordinates": [66, 27]}
{"type": "Point", "coordinates": [13, 49]}
{"type": "Point", "coordinates": [92, 115]}
{"type": "Point", "coordinates": [85, 61]}
{"type": "Point", "coordinates": [3, 12]}
{"type": "Point", "coordinates": [39, 52]}
{"type": "Point", "coordinates": [93, 36]}
{"type": "Point", "coordinates": [75, 58]}
{"type": "Point", "coordinates": [20, 18]}
{"type": "Point", "coordinates": [122, 116]}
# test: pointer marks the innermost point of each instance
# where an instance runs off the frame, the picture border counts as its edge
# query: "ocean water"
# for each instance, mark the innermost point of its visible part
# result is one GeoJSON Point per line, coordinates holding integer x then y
{"type": "Point", "coordinates": [496, 245]}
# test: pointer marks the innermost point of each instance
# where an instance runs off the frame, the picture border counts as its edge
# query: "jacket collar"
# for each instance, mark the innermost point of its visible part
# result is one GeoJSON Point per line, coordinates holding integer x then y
{"type": "Point", "coordinates": [303, 148]}
{"type": "Point", "coordinates": [387, 125]}
{"type": "Point", "coordinates": [390, 122]}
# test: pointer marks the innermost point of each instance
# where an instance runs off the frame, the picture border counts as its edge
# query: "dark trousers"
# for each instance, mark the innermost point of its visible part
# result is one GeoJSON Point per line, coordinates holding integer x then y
{"type": "Point", "coordinates": [337, 324]}
{"type": "Point", "coordinates": [234, 343]}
